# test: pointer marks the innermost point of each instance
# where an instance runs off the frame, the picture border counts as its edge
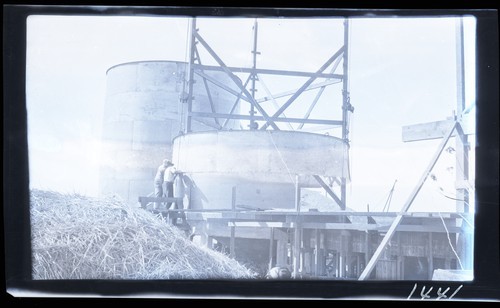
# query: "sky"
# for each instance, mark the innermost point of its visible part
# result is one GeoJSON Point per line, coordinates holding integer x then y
{"type": "Point", "coordinates": [402, 72]}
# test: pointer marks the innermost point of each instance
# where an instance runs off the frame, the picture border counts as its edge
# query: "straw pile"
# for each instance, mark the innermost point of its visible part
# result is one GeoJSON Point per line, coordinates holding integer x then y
{"type": "Point", "coordinates": [77, 237]}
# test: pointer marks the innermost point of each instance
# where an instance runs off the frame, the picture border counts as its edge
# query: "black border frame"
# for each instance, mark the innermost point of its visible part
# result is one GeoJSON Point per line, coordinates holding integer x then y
{"type": "Point", "coordinates": [17, 240]}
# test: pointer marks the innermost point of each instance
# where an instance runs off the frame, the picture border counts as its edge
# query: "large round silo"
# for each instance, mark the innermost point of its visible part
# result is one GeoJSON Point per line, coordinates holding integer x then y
{"type": "Point", "coordinates": [142, 114]}
{"type": "Point", "coordinates": [256, 168]}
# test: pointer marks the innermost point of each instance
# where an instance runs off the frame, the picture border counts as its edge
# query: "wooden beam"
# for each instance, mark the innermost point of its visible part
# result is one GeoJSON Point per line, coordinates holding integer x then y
{"type": "Point", "coordinates": [433, 130]}
{"type": "Point", "coordinates": [259, 224]}
{"type": "Point", "coordinates": [232, 245]}
{"type": "Point", "coordinates": [271, 247]}
{"type": "Point", "coordinates": [407, 205]}
{"type": "Point", "coordinates": [317, 248]}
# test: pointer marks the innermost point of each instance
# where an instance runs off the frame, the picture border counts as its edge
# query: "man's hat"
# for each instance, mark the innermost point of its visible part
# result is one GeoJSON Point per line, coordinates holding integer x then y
{"type": "Point", "coordinates": [167, 162]}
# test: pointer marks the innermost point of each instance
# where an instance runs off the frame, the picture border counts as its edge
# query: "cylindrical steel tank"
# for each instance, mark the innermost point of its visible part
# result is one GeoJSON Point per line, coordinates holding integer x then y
{"type": "Point", "coordinates": [261, 167]}
{"type": "Point", "coordinates": [142, 114]}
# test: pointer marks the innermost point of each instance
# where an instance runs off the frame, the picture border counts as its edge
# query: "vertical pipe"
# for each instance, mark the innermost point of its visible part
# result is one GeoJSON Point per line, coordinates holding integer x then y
{"type": "Point", "coordinates": [462, 162]}
{"type": "Point", "coordinates": [253, 76]}
{"type": "Point", "coordinates": [190, 77]}
{"type": "Point", "coordinates": [345, 105]}
{"type": "Point", "coordinates": [462, 170]}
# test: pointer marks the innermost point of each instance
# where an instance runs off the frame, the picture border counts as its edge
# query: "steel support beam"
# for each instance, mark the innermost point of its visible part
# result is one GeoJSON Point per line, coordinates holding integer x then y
{"type": "Point", "coordinates": [305, 85]}
{"type": "Point", "coordinates": [370, 266]}
{"type": "Point", "coordinates": [261, 118]}
{"type": "Point", "coordinates": [269, 94]}
{"type": "Point", "coordinates": [291, 92]}
{"type": "Point", "coordinates": [221, 85]}
{"type": "Point", "coordinates": [320, 92]}
{"type": "Point", "coordinates": [235, 103]}
{"type": "Point", "coordinates": [235, 79]}
{"type": "Point", "coordinates": [207, 89]}
{"type": "Point", "coordinates": [268, 71]}
{"type": "Point", "coordinates": [330, 192]}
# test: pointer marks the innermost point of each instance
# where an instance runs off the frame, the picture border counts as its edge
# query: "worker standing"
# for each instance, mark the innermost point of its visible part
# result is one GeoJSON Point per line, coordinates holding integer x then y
{"type": "Point", "coordinates": [158, 182]}
{"type": "Point", "coordinates": [170, 174]}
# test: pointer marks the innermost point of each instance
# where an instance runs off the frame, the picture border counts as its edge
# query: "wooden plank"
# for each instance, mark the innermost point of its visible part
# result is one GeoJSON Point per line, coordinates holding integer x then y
{"type": "Point", "coordinates": [258, 224]}
{"type": "Point", "coordinates": [337, 226]}
{"type": "Point", "coordinates": [425, 228]}
{"type": "Point", "coordinates": [158, 199]}
{"type": "Point", "coordinates": [433, 130]}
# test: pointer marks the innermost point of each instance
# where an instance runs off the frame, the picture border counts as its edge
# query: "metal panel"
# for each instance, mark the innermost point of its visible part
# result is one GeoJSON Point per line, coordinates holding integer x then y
{"type": "Point", "coordinates": [142, 115]}
{"type": "Point", "coordinates": [266, 156]}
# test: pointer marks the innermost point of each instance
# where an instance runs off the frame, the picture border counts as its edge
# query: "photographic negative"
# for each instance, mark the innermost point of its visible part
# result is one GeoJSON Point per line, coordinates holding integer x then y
{"type": "Point", "coordinates": [300, 148]}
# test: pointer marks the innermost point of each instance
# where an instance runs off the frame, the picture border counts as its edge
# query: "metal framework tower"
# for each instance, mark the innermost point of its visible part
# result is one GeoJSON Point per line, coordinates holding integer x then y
{"type": "Point", "coordinates": [247, 93]}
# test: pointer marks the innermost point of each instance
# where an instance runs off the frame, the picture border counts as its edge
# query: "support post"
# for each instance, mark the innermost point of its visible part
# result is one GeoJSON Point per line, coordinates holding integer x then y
{"type": "Point", "coordinates": [232, 253]}
{"type": "Point", "coordinates": [233, 230]}
{"type": "Point", "coordinates": [317, 248]}
{"type": "Point", "coordinates": [253, 76]}
{"type": "Point", "coordinates": [346, 105]}
{"type": "Point", "coordinates": [462, 151]}
{"type": "Point", "coordinates": [190, 77]}
{"type": "Point", "coordinates": [271, 247]}
{"type": "Point", "coordinates": [431, 259]}
{"type": "Point", "coordinates": [296, 242]}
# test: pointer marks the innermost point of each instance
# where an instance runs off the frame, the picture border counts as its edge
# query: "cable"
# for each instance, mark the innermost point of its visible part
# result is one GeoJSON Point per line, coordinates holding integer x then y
{"type": "Point", "coordinates": [281, 157]}
{"type": "Point", "coordinates": [449, 241]}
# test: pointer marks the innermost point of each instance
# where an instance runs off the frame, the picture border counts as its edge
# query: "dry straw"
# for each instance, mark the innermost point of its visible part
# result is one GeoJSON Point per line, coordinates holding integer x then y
{"type": "Point", "coordinates": [77, 237]}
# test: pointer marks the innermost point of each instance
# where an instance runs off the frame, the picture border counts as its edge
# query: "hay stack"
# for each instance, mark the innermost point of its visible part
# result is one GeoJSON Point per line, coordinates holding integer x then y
{"type": "Point", "coordinates": [77, 237]}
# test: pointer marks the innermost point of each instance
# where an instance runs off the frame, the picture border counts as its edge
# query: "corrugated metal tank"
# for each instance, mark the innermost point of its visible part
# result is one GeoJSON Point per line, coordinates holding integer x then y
{"type": "Point", "coordinates": [260, 165]}
{"type": "Point", "coordinates": [142, 114]}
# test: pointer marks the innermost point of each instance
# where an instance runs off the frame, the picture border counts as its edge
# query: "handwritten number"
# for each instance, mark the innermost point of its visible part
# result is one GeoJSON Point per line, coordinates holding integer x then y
{"type": "Point", "coordinates": [456, 291]}
{"type": "Point", "coordinates": [426, 295]}
{"type": "Point", "coordinates": [411, 293]}
{"type": "Point", "coordinates": [442, 295]}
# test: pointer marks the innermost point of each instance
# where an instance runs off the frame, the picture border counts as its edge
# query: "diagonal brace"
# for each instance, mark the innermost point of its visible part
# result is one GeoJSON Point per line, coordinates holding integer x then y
{"type": "Point", "coordinates": [330, 192]}
{"type": "Point", "coordinates": [236, 80]}
{"type": "Point", "coordinates": [392, 229]}
{"type": "Point", "coordinates": [305, 85]}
